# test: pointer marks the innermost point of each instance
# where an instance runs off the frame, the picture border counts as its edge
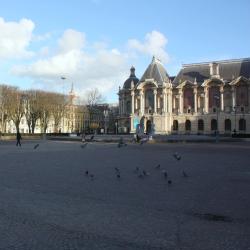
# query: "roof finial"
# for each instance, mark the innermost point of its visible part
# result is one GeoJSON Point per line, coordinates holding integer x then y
{"type": "Point", "coordinates": [153, 59]}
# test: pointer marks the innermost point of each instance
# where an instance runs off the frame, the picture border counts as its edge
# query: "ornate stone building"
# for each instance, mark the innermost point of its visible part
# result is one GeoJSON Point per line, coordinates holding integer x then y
{"type": "Point", "coordinates": [203, 98]}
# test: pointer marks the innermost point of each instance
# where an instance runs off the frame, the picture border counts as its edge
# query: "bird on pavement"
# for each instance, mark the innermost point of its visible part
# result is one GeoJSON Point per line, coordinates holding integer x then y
{"type": "Point", "coordinates": [184, 174]}
{"type": "Point", "coordinates": [36, 146]}
{"type": "Point", "coordinates": [177, 156]}
{"type": "Point", "coordinates": [165, 174]}
{"type": "Point", "coordinates": [145, 173]}
{"type": "Point", "coordinates": [86, 172]}
{"type": "Point", "coordinates": [118, 176]}
{"type": "Point", "coordinates": [136, 170]}
{"type": "Point", "coordinates": [84, 145]}
{"type": "Point", "coordinates": [158, 166]}
{"type": "Point", "coordinates": [143, 140]}
{"type": "Point", "coordinates": [169, 182]}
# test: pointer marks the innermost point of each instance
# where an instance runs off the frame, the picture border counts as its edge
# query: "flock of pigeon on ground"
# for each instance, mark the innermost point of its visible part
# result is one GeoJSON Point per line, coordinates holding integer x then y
{"type": "Point", "coordinates": [139, 172]}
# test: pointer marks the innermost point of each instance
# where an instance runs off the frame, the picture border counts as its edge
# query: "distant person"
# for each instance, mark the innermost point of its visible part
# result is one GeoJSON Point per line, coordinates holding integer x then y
{"type": "Point", "coordinates": [18, 139]}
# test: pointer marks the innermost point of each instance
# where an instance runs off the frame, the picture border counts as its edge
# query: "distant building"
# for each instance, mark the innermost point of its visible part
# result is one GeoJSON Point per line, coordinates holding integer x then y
{"type": "Point", "coordinates": [203, 98]}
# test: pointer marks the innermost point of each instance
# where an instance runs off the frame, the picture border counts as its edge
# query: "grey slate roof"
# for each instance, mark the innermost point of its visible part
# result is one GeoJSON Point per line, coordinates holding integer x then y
{"type": "Point", "coordinates": [132, 77]}
{"type": "Point", "coordinates": [155, 71]}
{"type": "Point", "coordinates": [228, 70]}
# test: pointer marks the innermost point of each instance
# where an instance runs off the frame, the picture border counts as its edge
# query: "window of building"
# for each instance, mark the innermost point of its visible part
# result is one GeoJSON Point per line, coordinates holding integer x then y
{"type": "Point", "coordinates": [242, 124]}
{"type": "Point", "coordinates": [213, 124]}
{"type": "Point", "coordinates": [227, 125]}
{"type": "Point", "coordinates": [242, 95]}
{"type": "Point", "coordinates": [175, 125]}
{"type": "Point", "coordinates": [200, 125]}
{"type": "Point", "coordinates": [188, 98]}
{"type": "Point", "coordinates": [214, 102]}
{"type": "Point", "coordinates": [188, 125]}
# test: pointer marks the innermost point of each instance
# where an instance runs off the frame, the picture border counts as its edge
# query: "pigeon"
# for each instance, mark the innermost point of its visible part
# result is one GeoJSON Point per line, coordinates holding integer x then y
{"type": "Point", "coordinates": [86, 172]}
{"type": "Point", "coordinates": [118, 176]}
{"type": "Point", "coordinates": [165, 174]}
{"type": "Point", "coordinates": [84, 145]}
{"type": "Point", "coordinates": [169, 182]}
{"type": "Point", "coordinates": [140, 175]}
{"type": "Point", "coordinates": [184, 174]}
{"type": "Point", "coordinates": [177, 156]}
{"type": "Point", "coordinates": [158, 166]}
{"type": "Point", "coordinates": [136, 170]}
{"type": "Point", "coordinates": [143, 140]}
{"type": "Point", "coordinates": [36, 146]}
{"type": "Point", "coordinates": [92, 138]}
{"type": "Point", "coordinates": [117, 169]}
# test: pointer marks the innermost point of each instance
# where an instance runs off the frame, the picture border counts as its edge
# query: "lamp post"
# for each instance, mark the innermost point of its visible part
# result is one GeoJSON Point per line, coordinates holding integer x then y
{"type": "Point", "coordinates": [217, 118]}
{"type": "Point", "coordinates": [235, 110]}
{"type": "Point", "coordinates": [105, 113]}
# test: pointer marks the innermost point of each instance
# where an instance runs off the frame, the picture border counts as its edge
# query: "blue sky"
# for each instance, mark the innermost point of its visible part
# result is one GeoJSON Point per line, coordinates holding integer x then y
{"type": "Point", "coordinates": [94, 43]}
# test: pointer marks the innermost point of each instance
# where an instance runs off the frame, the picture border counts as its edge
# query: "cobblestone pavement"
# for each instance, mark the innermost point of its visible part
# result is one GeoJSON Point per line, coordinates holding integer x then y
{"type": "Point", "coordinates": [47, 201]}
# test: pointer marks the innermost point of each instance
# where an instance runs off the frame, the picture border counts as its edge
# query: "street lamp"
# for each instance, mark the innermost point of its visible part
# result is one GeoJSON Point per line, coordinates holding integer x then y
{"type": "Point", "coordinates": [105, 113]}
{"type": "Point", "coordinates": [216, 97]}
{"type": "Point", "coordinates": [235, 110]}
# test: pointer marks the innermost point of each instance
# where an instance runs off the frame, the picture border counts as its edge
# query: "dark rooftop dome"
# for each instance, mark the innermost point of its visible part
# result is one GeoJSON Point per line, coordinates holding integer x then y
{"type": "Point", "coordinates": [155, 71]}
{"type": "Point", "coordinates": [132, 77]}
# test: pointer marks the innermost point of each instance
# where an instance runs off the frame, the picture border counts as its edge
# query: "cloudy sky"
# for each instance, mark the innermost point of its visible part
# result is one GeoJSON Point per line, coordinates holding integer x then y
{"type": "Point", "coordinates": [93, 43]}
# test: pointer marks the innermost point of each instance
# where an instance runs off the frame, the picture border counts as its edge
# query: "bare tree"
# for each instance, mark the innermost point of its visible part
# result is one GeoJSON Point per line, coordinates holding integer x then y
{"type": "Point", "coordinates": [45, 103]}
{"type": "Point", "coordinates": [31, 109]}
{"type": "Point", "coordinates": [94, 97]}
{"type": "Point", "coordinates": [4, 92]}
{"type": "Point", "coordinates": [58, 103]}
{"type": "Point", "coordinates": [15, 105]}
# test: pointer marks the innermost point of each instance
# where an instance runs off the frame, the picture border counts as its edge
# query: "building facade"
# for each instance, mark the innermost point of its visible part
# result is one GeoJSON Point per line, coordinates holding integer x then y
{"type": "Point", "coordinates": [204, 98]}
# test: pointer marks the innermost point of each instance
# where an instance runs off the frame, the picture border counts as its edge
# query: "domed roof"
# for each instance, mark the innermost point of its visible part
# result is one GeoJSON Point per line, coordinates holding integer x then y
{"type": "Point", "coordinates": [132, 77]}
{"type": "Point", "coordinates": [155, 71]}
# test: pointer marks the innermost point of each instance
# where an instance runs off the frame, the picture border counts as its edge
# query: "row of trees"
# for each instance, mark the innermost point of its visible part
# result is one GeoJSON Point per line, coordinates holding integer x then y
{"type": "Point", "coordinates": [34, 105]}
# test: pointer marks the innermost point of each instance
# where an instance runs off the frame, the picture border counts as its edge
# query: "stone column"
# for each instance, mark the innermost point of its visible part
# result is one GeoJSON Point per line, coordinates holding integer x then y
{"type": "Point", "coordinates": [248, 100]}
{"type": "Point", "coordinates": [181, 101]}
{"type": "Point", "coordinates": [155, 101]}
{"type": "Point", "coordinates": [233, 97]}
{"type": "Point", "coordinates": [206, 99]}
{"type": "Point", "coordinates": [221, 98]}
{"type": "Point", "coordinates": [195, 99]}
{"type": "Point", "coordinates": [164, 100]}
{"type": "Point", "coordinates": [141, 102]}
{"type": "Point", "coordinates": [132, 102]}
{"type": "Point", "coordinates": [170, 100]}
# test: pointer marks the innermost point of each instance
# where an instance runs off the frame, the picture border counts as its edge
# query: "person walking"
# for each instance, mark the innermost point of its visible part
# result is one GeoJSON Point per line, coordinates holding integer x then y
{"type": "Point", "coordinates": [18, 138]}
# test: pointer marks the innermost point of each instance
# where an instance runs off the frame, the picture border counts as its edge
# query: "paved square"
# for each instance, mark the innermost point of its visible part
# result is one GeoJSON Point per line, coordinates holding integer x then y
{"type": "Point", "coordinates": [47, 201]}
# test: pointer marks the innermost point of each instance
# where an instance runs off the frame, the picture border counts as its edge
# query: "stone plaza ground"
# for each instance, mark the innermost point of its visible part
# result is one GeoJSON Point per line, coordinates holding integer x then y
{"type": "Point", "coordinates": [47, 201]}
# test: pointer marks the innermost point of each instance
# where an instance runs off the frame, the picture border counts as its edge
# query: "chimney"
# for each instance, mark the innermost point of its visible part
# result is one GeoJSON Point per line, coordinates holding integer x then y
{"type": "Point", "coordinates": [214, 70]}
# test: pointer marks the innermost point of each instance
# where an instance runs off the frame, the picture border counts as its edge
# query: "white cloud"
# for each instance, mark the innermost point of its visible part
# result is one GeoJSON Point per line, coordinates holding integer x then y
{"type": "Point", "coordinates": [71, 40]}
{"type": "Point", "coordinates": [154, 45]}
{"type": "Point", "coordinates": [88, 65]}
{"type": "Point", "coordinates": [104, 68]}
{"type": "Point", "coordinates": [15, 38]}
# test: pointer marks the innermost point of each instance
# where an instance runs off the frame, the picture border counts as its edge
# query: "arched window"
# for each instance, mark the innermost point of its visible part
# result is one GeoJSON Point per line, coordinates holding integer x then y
{"type": "Point", "coordinates": [188, 125]}
{"type": "Point", "coordinates": [200, 125]}
{"type": "Point", "coordinates": [213, 124]}
{"type": "Point", "coordinates": [149, 99]}
{"type": "Point", "coordinates": [128, 107]}
{"type": "Point", "coordinates": [188, 98]}
{"type": "Point", "coordinates": [213, 93]}
{"type": "Point", "coordinates": [175, 125]}
{"type": "Point", "coordinates": [227, 125]}
{"type": "Point", "coordinates": [242, 95]}
{"type": "Point", "coordinates": [242, 124]}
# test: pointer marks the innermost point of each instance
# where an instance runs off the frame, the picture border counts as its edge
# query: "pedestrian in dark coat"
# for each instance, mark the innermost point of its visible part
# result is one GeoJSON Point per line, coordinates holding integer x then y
{"type": "Point", "coordinates": [18, 138]}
